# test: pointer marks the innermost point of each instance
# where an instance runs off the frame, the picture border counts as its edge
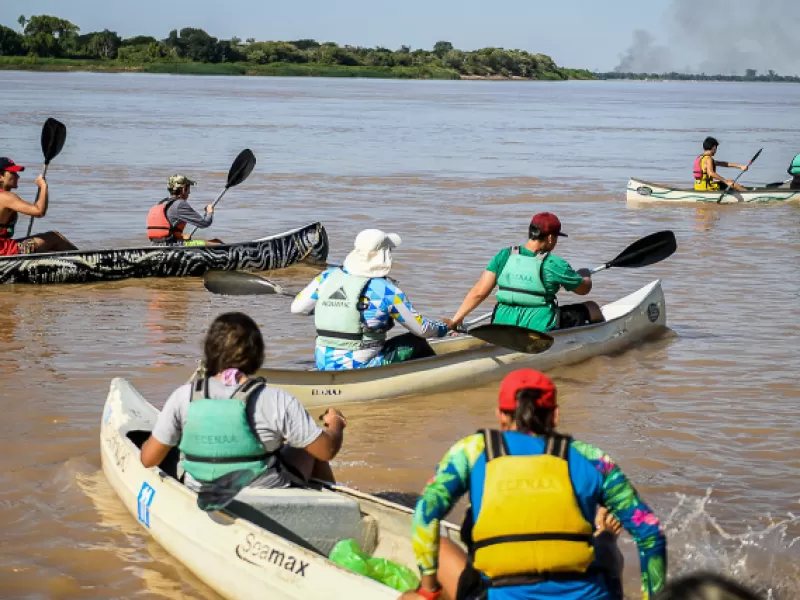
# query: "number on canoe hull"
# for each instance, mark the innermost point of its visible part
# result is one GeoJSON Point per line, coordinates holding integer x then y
{"type": "Point", "coordinates": [653, 312]}
{"type": "Point", "coordinates": [145, 499]}
{"type": "Point", "coordinates": [643, 190]}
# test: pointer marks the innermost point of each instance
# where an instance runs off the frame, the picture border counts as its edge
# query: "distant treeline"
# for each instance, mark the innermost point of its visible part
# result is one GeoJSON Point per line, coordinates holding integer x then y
{"type": "Point", "coordinates": [750, 75]}
{"type": "Point", "coordinates": [50, 42]}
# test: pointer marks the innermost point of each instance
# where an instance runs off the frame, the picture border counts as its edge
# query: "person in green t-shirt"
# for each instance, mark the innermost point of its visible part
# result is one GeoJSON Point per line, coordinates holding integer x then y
{"type": "Point", "coordinates": [528, 278]}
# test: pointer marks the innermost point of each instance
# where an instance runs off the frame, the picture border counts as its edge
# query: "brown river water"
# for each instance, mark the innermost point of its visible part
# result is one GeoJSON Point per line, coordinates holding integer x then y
{"type": "Point", "coordinates": [704, 420]}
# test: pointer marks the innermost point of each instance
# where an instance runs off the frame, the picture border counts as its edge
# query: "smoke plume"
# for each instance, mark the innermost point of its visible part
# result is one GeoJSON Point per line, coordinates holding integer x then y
{"type": "Point", "coordinates": [723, 37]}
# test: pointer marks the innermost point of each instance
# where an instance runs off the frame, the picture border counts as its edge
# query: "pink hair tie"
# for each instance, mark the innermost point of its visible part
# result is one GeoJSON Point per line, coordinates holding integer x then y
{"type": "Point", "coordinates": [230, 376]}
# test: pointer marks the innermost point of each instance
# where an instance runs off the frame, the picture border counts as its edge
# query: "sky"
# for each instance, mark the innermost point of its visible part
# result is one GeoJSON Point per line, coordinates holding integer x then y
{"type": "Point", "coordinates": [712, 36]}
{"type": "Point", "coordinates": [575, 33]}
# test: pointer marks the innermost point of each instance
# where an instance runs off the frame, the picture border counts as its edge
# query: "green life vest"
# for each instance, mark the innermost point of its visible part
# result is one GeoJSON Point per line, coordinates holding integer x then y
{"type": "Point", "coordinates": [520, 283]}
{"type": "Point", "coordinates": [794, 167]}
{"type": "Point", "coordinates": [337, 315]}
{"type": "Point", "coordinates": [218, 438]}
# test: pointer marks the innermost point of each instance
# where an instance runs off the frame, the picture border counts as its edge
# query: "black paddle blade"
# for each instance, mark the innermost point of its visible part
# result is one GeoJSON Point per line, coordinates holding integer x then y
{"type": "Point", "coordinates": [239, 283]}
{"type": "Point", "coordinates": [54, 134]}
{"type": "Point", "coordinates": [512, 337]}
{"type": "Point", "coordinates": [241, 168]}
{"type": "Point", "coordinates": [752, 160]}
{"type": "Point", "coordinates": [217, 494]}
{"type": "Point", "coordinates": [647, 251]}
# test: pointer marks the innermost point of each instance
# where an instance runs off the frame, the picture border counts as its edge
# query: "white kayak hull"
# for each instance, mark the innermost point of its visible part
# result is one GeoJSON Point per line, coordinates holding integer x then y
{"type": "Point", "coordinates": [644, 191]}
{"type": "Point", "coordinates": [464, 361]}
{"type": "Point", "coordinates": [236, 557]}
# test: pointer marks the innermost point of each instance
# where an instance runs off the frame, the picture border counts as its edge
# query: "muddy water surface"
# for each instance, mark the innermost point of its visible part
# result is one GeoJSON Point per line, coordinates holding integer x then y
{"type": "Point", "coordinates": [704, 420]}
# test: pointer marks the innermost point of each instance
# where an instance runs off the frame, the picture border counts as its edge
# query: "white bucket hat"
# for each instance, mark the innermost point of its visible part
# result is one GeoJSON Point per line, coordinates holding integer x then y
{"type": "Point", "coordinates": [372, 253]}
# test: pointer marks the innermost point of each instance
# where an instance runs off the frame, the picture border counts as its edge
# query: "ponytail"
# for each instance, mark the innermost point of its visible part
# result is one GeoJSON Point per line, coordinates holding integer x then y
{"type": "Point", "coordinates": [530, 418]}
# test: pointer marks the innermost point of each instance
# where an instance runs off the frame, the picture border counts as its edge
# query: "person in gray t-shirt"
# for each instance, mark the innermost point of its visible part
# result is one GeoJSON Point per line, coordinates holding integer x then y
{"type": "Point", "coordinates": [234, 350]}
{"type": "Point", "coordinates": [178, 214]}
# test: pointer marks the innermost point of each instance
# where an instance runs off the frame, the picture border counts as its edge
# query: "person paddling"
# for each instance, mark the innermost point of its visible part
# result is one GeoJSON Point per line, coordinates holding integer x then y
{"type": "Point", "coordinates": [357, 304]}
{"type": "Point", "coordinates": [167, 220]}
{"type": "Point", "coordinates": [11, 206]}
{"type": "Point", "coordinates": [228, 420]}
{"type": "Point", "coordinates": [705, 166]}
{"type": "Point", "coordinates": [534, 495]}
{"type": "Point", "coordinates": [529, 277]}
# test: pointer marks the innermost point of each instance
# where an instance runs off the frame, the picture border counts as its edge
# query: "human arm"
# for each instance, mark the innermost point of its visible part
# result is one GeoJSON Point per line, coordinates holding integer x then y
{"type": "Point", "coordinates": [167, 431]}
{"type": "Point", "coordinates": [448, 485]}
{"type": "Point", "coordinates": [557, 270]}
{"type": "Point", "coordinates": [298, 428]}
{"type": "Point", "coordinates": [623, 501]}
{"type": "Point", "coordinates": [306, 300]}
{"type": "Point", "coordinates": [183, 211]}
{"type": "Point", "coordinates": [479, 292]}
{"type": "Point", "coordinates": [37, 209]}
{"type": "Point", "coordinates": [722, 163]}
{"type": "Point", "coordinates": [709, 167]}
{"type": "Point", "coordinates": [399, 308]}
{"type": "Point", "coordinates": [329, 442]}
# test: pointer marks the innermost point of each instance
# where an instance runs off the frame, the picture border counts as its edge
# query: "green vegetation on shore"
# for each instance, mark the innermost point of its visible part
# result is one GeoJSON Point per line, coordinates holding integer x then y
{"type": "Point", "coordinates": [49, 43]}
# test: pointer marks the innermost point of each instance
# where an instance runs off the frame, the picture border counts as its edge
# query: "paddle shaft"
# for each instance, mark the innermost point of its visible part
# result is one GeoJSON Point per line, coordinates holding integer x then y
{"type": "Point", "coordinates": [30, 224]}
{"type": "Point", "coordinates": [213, 204]}
{"type": "Point", "coordinates": [733, 185]}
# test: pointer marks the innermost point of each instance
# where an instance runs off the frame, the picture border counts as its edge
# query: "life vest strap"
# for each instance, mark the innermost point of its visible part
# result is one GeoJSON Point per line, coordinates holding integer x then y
{"type": "Point", "coordinates": [495, 445]}
{"type": "Point", "coordinates": [534, 578]}
{"type": "Point", "coordinates": [340, 335]}
{"type": "Point", "coordinates": [229, 459]}
{"type": "Point", "coordinates": [534, 537]}
{"type": "Point", "coordinates": [521, 291]}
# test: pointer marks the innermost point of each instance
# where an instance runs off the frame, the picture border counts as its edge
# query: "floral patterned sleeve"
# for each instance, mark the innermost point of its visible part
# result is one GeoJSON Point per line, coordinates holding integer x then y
{"type": "Point", "coordinates": [623, 501]}
{"type": "Point", "coordinates": [439, 497]}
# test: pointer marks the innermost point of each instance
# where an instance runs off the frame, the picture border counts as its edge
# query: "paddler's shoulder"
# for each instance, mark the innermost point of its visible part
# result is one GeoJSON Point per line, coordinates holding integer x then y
{"type": "Point", "coordinates": [594, 455]}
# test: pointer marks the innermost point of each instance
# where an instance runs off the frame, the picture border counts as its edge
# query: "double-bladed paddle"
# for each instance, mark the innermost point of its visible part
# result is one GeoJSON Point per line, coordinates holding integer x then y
{"type": "Point", "coordinates": [731, 187]}
{"type": "Point", "coordinates": [240, 169]}
{"type": "Point", "coordinates": [54, 134]}
{"type": "Point", "coordinates": [646, 251]}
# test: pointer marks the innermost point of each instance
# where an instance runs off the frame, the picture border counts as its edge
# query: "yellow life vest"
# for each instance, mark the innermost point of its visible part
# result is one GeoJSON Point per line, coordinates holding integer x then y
{"type": "Point", "coordinates": [702, 180]}
{"type": "Point", "coordinates": [530, 525]}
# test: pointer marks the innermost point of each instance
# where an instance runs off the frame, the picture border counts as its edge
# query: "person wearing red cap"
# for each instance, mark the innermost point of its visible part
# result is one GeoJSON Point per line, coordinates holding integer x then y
{"type": "Point", "coordinates": [534, 494]}
{"type": "Point", "coordinates": [528, 278]}
{"type": "Point", "coordinates": [11, 206]}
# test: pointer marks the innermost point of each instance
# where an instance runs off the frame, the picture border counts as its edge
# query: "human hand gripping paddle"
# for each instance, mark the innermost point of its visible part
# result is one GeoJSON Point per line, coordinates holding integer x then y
{"type": "Point", "coordinates": [240, 169]}
{"type": "Point", "coordinates": [646, 251]}
{"type": "Point", "coordinates": [54, 134]}
{"type": "Point", "coordinates": [733, 186]}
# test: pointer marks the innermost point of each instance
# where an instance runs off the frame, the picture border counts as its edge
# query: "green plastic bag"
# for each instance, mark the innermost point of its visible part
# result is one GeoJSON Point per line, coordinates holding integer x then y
{"type": "Point", "coordinates": [347, 554]}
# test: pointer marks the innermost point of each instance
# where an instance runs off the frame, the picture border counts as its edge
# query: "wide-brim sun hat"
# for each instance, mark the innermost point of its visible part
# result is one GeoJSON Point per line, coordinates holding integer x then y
{"type": "Point", "coordinates": [372, 253]}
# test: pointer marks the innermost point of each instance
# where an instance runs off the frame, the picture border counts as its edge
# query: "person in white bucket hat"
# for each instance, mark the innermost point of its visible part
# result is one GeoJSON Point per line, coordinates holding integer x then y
{"type": "Point", "coordinates": [357, 304]}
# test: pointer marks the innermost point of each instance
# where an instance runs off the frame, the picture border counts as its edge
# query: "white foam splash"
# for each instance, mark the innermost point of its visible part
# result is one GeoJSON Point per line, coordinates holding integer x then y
{"type": "Point", "coordinates": [766, 560]}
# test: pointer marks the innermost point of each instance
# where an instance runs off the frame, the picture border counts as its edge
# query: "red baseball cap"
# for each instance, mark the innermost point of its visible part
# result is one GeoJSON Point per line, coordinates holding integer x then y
{"type": "Point", "coordinates": [548, 224]}
{"type": "Point", "coordinates": [6, 164]}
{"type": "Point", "coordinates": [526, 379]}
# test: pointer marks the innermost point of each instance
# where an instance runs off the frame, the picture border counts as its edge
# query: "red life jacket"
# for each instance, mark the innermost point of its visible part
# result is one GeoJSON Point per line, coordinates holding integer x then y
{"type": "Point", "coordinates": [158, 225]}
{"type": "Point", "coordinates": [9, 247]}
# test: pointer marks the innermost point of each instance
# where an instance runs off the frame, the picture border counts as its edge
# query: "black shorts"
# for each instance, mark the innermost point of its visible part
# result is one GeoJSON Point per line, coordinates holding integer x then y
{"type": "Point", "coordinates": [573, 315]}
{"type": "Point", "coordinates": [470, 585]}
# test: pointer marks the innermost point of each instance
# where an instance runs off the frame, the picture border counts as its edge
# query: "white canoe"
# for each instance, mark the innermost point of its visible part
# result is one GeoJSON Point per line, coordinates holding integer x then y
{"type": "Point", "coordinates": [241, 552]}
{"type": "Point", "coordinates": [464, 361]}
{"type": "Point", "coordinates": [644, 191]}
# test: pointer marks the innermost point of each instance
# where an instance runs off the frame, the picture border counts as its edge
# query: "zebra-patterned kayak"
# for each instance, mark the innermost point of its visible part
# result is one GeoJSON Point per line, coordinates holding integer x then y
{"type": "Point", "coordinates": [79, 266]}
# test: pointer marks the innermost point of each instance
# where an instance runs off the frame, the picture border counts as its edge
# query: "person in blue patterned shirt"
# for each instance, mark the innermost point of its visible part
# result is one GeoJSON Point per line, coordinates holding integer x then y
{"type": "Point", "coordinates": [356, 305]}
{"type": "Point", "coordinates": [534, 494]}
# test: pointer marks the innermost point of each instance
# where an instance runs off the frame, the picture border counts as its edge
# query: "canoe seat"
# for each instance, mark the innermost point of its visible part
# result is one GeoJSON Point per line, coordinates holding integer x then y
{"type": "Point", "coordinates": [314, 519]}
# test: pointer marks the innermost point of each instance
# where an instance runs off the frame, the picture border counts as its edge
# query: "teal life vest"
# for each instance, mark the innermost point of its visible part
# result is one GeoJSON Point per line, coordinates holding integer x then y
{"type": "Point", "coordinates": [521, 283]}
{"type": "Point", "coordinates": [794, 167]}
{"type": "Point", "coordinates": [218, 437]}
{"type": "Point", "coordinates": [337, 316]}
